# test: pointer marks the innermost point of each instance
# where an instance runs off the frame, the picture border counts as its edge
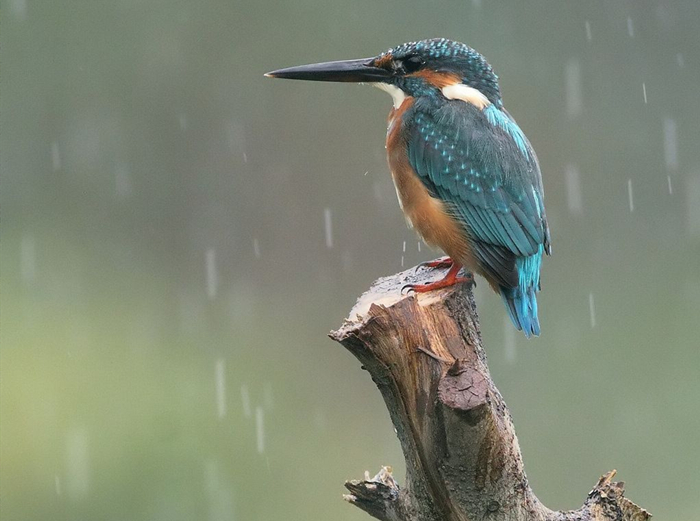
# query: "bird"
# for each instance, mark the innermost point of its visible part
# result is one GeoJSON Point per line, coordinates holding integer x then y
{"type": "Point", "coordinates": [467, 178]}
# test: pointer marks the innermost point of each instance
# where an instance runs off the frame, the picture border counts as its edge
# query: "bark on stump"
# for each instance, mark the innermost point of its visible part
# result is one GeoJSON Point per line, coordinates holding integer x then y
{"type": "Point", "coordinates": [463, 462]}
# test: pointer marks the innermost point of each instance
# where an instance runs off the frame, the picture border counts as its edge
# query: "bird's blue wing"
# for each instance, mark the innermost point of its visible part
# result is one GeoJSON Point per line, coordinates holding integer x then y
{"type": "Point", "coordinates": [482, 166]}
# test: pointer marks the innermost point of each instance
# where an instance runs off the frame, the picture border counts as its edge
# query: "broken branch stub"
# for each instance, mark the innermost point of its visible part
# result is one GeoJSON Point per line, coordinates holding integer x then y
{"type": "Point", "coordinates": [463, 461]}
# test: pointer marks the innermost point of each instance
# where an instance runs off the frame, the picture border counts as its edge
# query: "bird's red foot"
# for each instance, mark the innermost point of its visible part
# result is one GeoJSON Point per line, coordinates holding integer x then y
{"type": "Point", "coordinates": [449, 280]}
{"type": "Point", "coordinates": [444, 262]}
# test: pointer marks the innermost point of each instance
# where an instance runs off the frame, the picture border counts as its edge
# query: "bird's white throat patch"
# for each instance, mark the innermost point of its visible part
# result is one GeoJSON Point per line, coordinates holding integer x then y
{"type": "Point", "coordinates": [396, 94]}
{"type": "Point", "coordinates": [458, 91]}
{"type": "Point", "coordinates": [466, 93]}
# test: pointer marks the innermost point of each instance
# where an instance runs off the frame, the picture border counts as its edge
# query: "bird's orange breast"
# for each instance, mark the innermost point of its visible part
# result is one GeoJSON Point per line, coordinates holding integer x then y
{"type": "Point", "coordinates": [428, 215]}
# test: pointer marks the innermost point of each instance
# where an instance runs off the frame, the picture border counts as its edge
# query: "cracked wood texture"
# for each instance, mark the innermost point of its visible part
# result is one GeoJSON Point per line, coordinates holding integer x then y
{"type": "Point", "coordinates": [463, 462]}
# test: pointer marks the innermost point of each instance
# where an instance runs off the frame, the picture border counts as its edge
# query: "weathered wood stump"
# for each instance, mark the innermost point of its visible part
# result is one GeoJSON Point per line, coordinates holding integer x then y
{"type": "Point", "coordinates": [463, 461]}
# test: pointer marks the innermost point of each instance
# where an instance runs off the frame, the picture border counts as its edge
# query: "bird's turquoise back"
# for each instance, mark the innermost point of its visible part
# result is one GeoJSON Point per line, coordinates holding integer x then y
{"type": "Point", "coordinates": [482, 166]}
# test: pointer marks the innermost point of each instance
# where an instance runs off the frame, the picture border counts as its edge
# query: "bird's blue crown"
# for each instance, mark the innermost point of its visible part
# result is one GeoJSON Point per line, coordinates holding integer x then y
{"type": "Point", "coordinates": [413, 61]}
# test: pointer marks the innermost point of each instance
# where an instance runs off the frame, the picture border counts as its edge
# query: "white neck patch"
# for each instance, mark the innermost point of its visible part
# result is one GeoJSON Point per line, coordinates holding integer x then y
{"type": "Point", "coordinates": [397, 94]}
{"type": "Point", "coordinates": [466, 93]}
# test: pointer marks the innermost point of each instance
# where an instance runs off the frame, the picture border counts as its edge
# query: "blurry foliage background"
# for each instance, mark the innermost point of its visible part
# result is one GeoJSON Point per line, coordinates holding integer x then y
{"type": "Point", "coordinates": [179, 234]}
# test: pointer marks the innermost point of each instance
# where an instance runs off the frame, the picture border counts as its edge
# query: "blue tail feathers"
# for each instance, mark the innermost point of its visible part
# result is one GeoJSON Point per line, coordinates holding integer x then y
{"type": "Point", "coordinates": [521, 301]}
{"type": "Point", "coordinates": [522, 308]}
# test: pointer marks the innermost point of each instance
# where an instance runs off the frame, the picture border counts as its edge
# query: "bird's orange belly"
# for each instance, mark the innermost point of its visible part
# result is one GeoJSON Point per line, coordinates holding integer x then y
{"type": "Point", "coordinates": [428, 215]}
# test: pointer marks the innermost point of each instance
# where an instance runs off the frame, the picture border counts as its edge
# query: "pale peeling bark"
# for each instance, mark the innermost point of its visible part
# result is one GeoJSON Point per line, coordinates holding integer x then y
{"type": "Point", "coordinates": [463, 462]}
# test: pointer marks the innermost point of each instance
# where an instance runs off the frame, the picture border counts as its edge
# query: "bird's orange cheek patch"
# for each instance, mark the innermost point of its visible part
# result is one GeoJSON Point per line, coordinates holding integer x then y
{"type": "Point", "coordinates": [384, 61]}
{"type": "Point", "coordinates": [438, 79]}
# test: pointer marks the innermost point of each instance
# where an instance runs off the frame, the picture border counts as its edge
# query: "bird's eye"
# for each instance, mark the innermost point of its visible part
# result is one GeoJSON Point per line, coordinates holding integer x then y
{"type": "Point", "coordinates": [412, 64]}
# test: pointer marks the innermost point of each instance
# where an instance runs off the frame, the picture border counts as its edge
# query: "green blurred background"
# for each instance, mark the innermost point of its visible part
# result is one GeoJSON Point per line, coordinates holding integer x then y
{"type": "Point", "coordinates": [179, 234]}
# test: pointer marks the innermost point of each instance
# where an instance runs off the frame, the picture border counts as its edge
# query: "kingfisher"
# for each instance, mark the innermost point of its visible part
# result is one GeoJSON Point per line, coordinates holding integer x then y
{"type": "Point", "coordinates": [467, 178]}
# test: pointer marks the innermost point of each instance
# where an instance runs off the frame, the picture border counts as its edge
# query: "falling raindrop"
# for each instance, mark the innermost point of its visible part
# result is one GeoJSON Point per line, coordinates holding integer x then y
{"type": "Point", "coordinates": [190, 310]}
{"type": "Point", "coordinates": [320, 420]}
{"type": "Point", "coordinates": [588, 31]}
{"type": "Point", "coordinates": [510, 351]}
{"type": "Point", "coordinates": [402, 261]}
{"type": "Point", "coordinates": [404, 246]}
{"type": "Point", "coordinates": [27, 253]}
{"type": "Point", "coordinates": [346, 260]}
{"type": "Point", "coordinates": [670, 144]}
{"type": "Point", "coordinates": [630, 195]}
{"type": "Point", "coordinates": [220, 372]}
{"type": "Point", "coordinates": [572, 72]}
{"type": "Point", "coordinates": [245, 399]}
{"type": "Point", "coordinates": [260, 429]}
{"type": "Point", "coordinates": [245, 157]}
{"type": "Point", "coordinates": [670, 186]}
{"type": "Point", "coordinates": [377, 191]}
{"type": "Point", "coordinates": [55, 156]}
{"type": "Point", "coordinates": [573, 189]}
{"type": "Point", "coordinates": [235, 135]}
{"type": "Point", "coordinates": [418, 246]}
{"type": "Point", "coordinates": [122, 181]}
{"type": "Point", "coordinates": [77, 463]}
{"type": "Point", "coordinates": [57, 485]}
{"type": "Point", "coordinates": [256, 248]}
{"type": "Point", "coordinates": [19, 8]}
{"type": "Point", "coordinates": [212, 275]}
{"type": "Point", "coordinates": [692, 198]}
{"type": "Point", "coordinates": [644, 92]}
{"type": "Point", "coordinates": [630, 27]}
{"type": "Point", "coordinates": [329, 227]}
{"type": "Point", "coordinates": [367, 172]}
{"type": "Point", "coordinates": [219, 494]}
{"type": "Point", "coordinates": [268, 397]}
{"type": "Point", "coordinates": [591, 309]}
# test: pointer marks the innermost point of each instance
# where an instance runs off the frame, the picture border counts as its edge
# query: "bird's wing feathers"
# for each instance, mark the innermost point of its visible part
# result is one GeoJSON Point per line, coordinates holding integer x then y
{"type": "Point", "coordinates": [483, 167]}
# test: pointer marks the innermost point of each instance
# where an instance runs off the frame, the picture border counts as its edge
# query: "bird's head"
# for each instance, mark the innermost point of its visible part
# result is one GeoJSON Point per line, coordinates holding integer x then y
{"type": "Point", "coordinates": [436, 67]}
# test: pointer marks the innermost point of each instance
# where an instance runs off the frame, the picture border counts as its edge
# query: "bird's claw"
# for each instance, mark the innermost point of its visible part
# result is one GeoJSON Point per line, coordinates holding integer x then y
{"type": "Point", "coordinates": [443, 263]}
{"type": "Point", "coordinates": [440, 284]}
{"type": "Point", "coordinates": [408, 288]}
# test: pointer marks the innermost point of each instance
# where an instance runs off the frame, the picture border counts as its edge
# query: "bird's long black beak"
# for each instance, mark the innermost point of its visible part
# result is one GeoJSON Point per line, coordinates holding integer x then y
{"type": "Point", "coordinates": [356, 71]}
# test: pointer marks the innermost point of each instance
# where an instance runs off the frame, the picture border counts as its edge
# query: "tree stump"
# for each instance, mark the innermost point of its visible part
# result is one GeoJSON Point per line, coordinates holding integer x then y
{"type": "Point", "coordinates": [463, 461]}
